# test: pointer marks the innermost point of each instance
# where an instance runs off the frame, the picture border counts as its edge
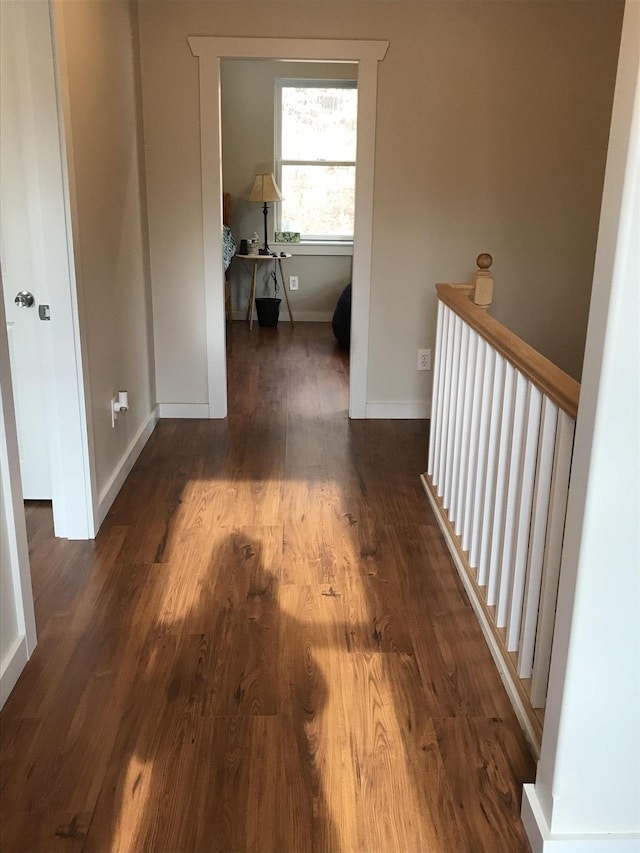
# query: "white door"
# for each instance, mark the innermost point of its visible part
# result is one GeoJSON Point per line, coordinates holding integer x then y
{"type": "Point", "coordinates": [22, 264]}
{"type": "Point", "coordinates": [27, 373]}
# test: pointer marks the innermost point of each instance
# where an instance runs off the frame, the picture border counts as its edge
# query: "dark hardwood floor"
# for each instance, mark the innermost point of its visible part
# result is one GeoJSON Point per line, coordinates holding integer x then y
{"type": "Point", "coordinates": [265, 649]}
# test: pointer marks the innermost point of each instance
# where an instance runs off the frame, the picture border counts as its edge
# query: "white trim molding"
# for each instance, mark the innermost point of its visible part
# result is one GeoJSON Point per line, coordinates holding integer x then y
{"type": "Point", "coordinates": [366, 54]}
{"type": "Point", "coordinates": [194, 411]}
{"type": "Point", "coordinates": [12, 664]}
{"type": "Point", "coordinates": [332, 50]}
{"type": "Point", "coordinates": [110, 491]}
{"type": "Point", "coordinates": [543, 841]}
{"type": "Point", "coordinates": [399, 411]}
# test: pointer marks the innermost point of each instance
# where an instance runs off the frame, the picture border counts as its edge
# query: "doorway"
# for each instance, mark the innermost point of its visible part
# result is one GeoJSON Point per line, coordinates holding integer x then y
{"type": "Point", "coordinates": [272, 110]}
{"type": "Point", "coordinates": [210, 50]}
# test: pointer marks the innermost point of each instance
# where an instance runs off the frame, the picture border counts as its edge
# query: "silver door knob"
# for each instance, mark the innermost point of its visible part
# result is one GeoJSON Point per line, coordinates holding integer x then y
{"type": "Point", "coordinates": [24, 299]}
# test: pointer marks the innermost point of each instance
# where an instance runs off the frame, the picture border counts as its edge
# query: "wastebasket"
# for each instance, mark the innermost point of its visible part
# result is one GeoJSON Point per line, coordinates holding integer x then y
{"type": "Point", "coordinates": [268, 311]}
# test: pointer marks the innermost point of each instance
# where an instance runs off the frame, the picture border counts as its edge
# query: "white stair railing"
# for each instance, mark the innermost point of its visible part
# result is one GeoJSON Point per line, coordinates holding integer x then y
{"type": "Point", "coordinates": [500, 448]}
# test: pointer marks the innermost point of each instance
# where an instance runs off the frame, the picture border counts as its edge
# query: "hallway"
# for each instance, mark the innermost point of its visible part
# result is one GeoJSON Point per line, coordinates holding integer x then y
{"type": "Point", "coordinates": [266, 649]}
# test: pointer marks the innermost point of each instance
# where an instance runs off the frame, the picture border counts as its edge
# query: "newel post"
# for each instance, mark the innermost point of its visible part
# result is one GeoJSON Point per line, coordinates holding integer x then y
{"type": "Point", "coordinates": [483, 281]}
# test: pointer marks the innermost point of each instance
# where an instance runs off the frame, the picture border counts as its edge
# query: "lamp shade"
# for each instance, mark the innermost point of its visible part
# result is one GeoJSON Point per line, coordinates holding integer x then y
{"type": "Point", "coordinates": [265, 189]}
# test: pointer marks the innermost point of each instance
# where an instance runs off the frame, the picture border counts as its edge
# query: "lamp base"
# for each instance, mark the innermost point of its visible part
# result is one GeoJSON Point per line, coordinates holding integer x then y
{"type": "Point", "coordinates": [265, 251]}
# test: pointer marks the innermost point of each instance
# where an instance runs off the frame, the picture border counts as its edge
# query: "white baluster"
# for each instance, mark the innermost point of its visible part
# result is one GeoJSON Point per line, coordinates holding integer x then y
{"type": "Point", "coordinates": [461, 414]}
{"type": "Point", "coordinates": [449, 319]}
{"type": "Point", "coordinates": [453, 400]}
{"type": "Point", "coordinates": [466, 468]}
{"type": "Point", "coordinates": [502, 480]}
{"type": "Point", "coordinates": [505, 564]}
{"type": "Point", "coordinates": [488, 361]}
{"type": "Point", "coordinates": [552, 555]}
{"type": "Point", "coordinates": [523, 518]}
{"type": "Point", "coordinates": [470, 441]}
{"type": "Point", "coordinates": [537, 536]}
{"type": "Point", "coordinates": [489, 499]}
{"type": "Point", "coordinates": [436, 396]}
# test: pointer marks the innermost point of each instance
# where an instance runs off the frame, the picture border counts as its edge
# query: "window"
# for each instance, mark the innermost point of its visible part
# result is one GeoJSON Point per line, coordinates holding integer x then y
{"type": "Point", "coordinates": [316, 157]}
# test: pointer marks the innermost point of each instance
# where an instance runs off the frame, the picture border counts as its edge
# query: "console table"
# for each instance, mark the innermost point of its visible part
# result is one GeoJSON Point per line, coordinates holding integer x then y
{"type": "Point", "coordinates": [258, 259]}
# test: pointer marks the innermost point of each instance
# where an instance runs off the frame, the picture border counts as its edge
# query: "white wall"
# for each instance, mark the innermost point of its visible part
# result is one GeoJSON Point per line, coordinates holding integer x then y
{"type": "Point", "coordinates": [492, 129]}
{"type": "Point", "coordinates": [248, 116]}
{"type": "Point", "coordinates": [98, 53]}
{"type": "Point", "coordinates": [587, 791]}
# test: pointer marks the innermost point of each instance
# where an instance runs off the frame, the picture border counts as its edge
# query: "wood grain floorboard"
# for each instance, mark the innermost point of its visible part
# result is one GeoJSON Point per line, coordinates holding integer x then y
{"type": "Point", "coordinates": [49, 832]}
{"type": "Point", "coordinates": [483, 757]}
{"type": "Point", "coordinates": [307, 557]}
{"type": "Point", "coordinates": [397, 753]}
{"type": "Point", "coordinates": [266, 649]}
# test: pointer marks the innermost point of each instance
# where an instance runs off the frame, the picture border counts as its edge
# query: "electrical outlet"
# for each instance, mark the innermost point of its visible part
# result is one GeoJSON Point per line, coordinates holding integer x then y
{"type": "Point", "coordinates": [424, 359]}
{"type": "Point", "coordinates": [293, 282]}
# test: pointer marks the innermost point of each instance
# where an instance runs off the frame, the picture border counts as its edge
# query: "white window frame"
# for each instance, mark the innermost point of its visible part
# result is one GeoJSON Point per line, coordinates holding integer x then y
{"type": "Point", "coordinates": [307, 83]}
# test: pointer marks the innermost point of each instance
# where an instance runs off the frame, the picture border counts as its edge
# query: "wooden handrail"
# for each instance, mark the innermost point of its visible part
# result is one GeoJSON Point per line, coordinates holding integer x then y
{"type": "Point", "coordinates": [561, 388]}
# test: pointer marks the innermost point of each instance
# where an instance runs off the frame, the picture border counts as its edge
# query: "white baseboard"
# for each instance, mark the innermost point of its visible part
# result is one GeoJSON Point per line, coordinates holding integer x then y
{"type": "Point", "coordinates": [127, 462]}
{"type": "Point", "coordinates": [496, 653]}
{"type": "Point", "coordinates": [183, 410]}
{"type": "Point", "coordinates": [13, 662]}
{"type": "Point", "coordinates": [298, 316]}
{"type": "Point", "coordinates": [399, 411]}
{"type": "Point", "coordinates": [543, 841]}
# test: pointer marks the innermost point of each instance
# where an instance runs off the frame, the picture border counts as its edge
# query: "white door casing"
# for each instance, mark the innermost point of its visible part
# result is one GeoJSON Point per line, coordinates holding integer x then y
{"type": "Point", "coordinates": [17, 618]}
{"type": "Point", "coordinates": [210, 50]}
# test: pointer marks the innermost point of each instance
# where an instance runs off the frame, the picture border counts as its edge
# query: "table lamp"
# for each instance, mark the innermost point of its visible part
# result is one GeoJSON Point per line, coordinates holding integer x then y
{"type": "Point", "coordinates": [265, 190]}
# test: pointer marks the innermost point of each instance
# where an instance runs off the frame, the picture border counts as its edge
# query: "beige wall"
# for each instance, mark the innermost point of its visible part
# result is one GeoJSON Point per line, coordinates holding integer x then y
{"type": "Point", "coordinates": [99, 47]}
{"type": "Point", "coordinates": [492, 129]}
{"type": "Point", "coordinates": [248, 88]}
